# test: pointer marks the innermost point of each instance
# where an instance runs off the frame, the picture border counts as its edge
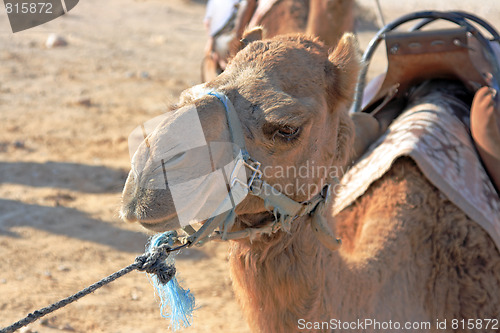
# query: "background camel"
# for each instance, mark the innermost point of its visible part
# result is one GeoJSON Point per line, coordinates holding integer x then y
{"type": "Point", "coordinates": [326, 19]}
{"type": "Point", "coordinates": [409, 254]}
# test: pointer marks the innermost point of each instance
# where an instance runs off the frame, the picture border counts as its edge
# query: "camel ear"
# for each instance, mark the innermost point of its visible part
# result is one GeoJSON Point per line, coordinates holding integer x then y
{"type": "Point", "coordinates": [341, 76]}
{"type": "Point", "coordinates": [343, 68]}
{"type": "Point", "coordinates": [252, 35]}
{"type": "Point", "coordinates": [249, 36]}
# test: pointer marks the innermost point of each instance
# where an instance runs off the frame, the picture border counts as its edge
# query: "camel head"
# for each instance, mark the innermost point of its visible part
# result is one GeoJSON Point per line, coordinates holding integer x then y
{"type": "Point", "coordinates": [291, 96]}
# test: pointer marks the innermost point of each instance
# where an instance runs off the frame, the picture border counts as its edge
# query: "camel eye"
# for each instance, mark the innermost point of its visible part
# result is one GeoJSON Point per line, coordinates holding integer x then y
{"type": "Point", "coordinates": [288, 132]}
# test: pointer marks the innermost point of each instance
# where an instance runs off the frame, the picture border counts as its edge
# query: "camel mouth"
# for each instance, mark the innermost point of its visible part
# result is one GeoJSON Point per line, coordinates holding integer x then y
{"type": "Point", "coordinates": [255, 220]}
{"type": "Point", "coordinates": [242, 222]}
{"type": "Point", "coordinates": [157, 223]}
{"type": "Point", "coordinates": [157, 227]}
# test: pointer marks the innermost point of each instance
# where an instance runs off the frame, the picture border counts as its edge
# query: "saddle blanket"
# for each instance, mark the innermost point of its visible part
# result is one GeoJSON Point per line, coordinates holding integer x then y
{"type": "Point", "coordinates": [434, 132]}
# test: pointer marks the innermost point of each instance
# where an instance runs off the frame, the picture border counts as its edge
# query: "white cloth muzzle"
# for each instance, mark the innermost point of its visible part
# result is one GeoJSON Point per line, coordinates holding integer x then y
{"type": "Point", "coordinates": [204, 178]}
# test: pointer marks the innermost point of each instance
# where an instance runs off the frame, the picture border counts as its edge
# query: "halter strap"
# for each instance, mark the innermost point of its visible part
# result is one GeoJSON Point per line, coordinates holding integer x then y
{"type": "Point", "coordinates": [233, 121]}
{"type": "Point", "coordinates": [284, 209]}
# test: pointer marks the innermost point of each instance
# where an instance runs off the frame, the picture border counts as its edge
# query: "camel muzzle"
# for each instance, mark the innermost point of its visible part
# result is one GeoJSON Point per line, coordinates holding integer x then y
{"type": "Point", "coordinates": [207, 180]}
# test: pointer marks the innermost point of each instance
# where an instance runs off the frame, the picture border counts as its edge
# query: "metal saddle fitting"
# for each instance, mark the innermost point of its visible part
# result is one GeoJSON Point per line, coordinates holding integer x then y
{"type": "Point", "coordinates": [417, 56]}
{"type": "Point", "coordinates": [463, 53]}
{"type": "Point", "coordinates": [414, 56]}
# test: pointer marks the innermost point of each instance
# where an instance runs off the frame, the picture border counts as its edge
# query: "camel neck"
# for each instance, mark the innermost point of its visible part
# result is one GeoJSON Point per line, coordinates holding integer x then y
{"type": "Point", "coordinates": [280, 279]}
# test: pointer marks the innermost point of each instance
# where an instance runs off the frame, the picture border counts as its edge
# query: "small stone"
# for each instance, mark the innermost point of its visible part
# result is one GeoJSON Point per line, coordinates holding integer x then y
{"type": "Point", "coordinates": [3, 281]}
{"type": "Point", "coordinates": [68, 327]}
{"type": "Point", "coordinates": [19, 144]}
{"type": "Point", "coordinates": [134, 296]}
{"type": "Point", "coordinates": [130, 75]}
{"type": "Point", "coordinates": [55, 40]}
{"type": "Point", "coordinates": [44, 322]}
{"type": "Point", "coordinates": [26, 330]}
{"type": "Point", "coordinates": [145, 75]}
{"type": "Point", "coordinates": [63, 268]}
{"type": "Point", "coordinates": [47, 274]}
{"type": "Point", "coordinates": [84, 102]}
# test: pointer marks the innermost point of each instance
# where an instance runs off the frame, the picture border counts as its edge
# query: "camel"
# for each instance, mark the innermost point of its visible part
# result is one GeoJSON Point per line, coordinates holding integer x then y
{"type": "Point", "coordinates": [408, 253]}
{"type": "Point", "coordinates": [326, 19]}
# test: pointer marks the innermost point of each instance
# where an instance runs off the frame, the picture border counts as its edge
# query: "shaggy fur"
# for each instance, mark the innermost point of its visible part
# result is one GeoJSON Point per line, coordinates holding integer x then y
{"type": "Point", "coordinates": [409, 254]}
{"type": "Point", "coordinates": [438, 262]}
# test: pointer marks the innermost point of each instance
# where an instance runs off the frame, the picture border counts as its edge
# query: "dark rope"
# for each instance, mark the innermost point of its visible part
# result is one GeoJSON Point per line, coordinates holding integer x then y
{"type": "Point", "coordinates": [151, 262]}
{"type": "Point", "coordinates": [154, 263]}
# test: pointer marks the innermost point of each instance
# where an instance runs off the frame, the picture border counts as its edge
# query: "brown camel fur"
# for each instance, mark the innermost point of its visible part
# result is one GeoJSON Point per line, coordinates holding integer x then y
{"type": "Point", "coordinates": [285, 16]}
{"type": "Point", "coordinates": [326, 19]}
{"type": "Point", "coordinates": [409, 254]}
{"type": "Point", "coordinates": [329, 20]}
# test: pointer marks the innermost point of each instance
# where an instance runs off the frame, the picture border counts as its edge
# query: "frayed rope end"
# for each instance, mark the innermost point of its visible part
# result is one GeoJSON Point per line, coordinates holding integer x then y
{"type": "Point", "coordinates": [177, 303]}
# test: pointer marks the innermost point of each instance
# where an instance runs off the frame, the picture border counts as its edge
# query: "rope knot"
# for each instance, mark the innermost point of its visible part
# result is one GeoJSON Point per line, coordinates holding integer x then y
{"type": "Point", "coordinates": [154, 262]}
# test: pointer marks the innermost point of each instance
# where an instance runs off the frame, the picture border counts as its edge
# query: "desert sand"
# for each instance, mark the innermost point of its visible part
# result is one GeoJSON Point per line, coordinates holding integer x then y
{"type": "Point", "coordinates": [65, 115]}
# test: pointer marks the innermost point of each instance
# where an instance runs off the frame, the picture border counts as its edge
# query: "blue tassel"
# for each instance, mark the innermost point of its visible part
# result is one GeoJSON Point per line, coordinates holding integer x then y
{"type": "Point", "coordinates": [177, 303]}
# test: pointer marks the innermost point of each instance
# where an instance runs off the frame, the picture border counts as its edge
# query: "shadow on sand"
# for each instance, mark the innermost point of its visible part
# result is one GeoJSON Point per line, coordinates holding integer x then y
{"type": "Point", "coordinates": [68, 222]}
{"type": "Point", "coordinates": [72, 176]}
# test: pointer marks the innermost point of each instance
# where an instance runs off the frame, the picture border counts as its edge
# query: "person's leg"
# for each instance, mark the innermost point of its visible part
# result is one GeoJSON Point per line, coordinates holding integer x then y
{"type": "Point", "coordinates": [485, 129]}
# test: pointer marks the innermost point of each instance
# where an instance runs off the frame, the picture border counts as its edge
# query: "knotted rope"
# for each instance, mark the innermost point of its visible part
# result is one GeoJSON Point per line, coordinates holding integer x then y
{"type": "Point", "coordinates": [153, 261]}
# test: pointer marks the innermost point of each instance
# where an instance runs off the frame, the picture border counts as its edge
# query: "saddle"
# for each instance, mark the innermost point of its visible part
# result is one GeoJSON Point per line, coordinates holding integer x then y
{"type": "Point", "coordinates": [415, 56]}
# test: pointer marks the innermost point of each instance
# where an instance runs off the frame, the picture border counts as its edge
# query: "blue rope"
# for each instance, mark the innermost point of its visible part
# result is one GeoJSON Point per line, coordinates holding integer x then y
{"type": "Point", "coordinates": [154, 262]}
{"type": "Point", "coordinates": [177, 303]}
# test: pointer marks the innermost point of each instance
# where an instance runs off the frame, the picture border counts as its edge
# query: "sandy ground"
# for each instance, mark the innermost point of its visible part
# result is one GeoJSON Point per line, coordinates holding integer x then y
{"type": "Point", "coordinates": [65, 114]}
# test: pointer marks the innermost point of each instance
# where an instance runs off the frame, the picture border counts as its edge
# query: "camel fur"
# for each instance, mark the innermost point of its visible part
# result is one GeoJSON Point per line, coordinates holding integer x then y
{"type": "Point", "coordinates": [326, 19]}
{"type": "Point", "coordinates": [408, 254]}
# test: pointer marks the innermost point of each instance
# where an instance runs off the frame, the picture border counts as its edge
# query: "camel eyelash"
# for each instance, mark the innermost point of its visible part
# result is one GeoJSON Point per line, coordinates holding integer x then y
{"type": "Point", "coordinates": [282, 132]}
{"type": "Point", "coordinates": [287, 133]}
